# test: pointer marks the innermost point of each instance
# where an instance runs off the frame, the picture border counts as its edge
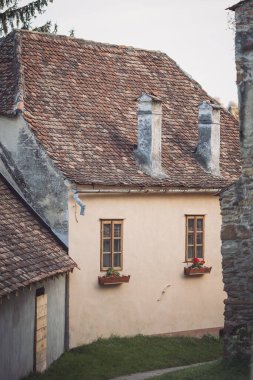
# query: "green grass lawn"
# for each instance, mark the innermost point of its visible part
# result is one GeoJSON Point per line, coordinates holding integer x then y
{"type": "Point", "coordinates": [214, 371]}
{"type": "Point", "coordinates": [108, 358]}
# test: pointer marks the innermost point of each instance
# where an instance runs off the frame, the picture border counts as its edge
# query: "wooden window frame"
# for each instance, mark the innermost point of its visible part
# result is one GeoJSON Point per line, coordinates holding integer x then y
{"type": "Point", "coordinates": [195, 217]}
{"type": "Point", "coordinates": [112, 222]}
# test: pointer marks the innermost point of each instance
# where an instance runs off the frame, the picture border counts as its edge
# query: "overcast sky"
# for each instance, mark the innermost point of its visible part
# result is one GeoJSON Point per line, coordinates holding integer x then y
{"type": "Point", "coordinates": [195, 33]}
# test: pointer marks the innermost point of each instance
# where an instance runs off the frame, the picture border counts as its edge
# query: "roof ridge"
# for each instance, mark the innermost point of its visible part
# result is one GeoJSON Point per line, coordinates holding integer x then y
{"type": "Point", "coordinates": [14, 63]}
{"type": "Point", "coordinates": [90, 42]}
{"type": "Point", "coordinates": [16, 66]}
{"type": "Point", "coordinates": [19, 98]}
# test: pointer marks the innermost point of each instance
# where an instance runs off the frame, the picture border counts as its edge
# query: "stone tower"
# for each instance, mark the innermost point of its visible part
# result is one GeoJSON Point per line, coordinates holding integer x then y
{"type": "Point", "coordinates": [237, 201]}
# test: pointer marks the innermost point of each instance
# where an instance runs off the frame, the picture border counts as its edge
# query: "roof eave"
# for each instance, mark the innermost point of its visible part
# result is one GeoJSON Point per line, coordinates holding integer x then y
{"type": "Point", "coordinates": [32, 282]}
{"type": "Point", "coordinates": [101, 189]}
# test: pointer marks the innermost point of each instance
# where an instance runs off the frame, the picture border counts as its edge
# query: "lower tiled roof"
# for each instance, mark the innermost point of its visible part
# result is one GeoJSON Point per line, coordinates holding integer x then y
{"type": "Point", "coordinates": [29, 252]}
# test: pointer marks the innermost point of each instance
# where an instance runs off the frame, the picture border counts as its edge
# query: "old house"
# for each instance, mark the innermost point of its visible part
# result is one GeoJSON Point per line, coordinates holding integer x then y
{"type": "Point", "coordinates": [123, 155]}
{"type": "Point", "coordinates": [33, 270]}
{"type": "Point", "coordinates": [237, 200]}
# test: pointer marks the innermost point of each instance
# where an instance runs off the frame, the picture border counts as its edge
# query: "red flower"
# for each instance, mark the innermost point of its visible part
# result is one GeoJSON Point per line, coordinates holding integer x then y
{"type": "Point", "coordinates": [196, 260]}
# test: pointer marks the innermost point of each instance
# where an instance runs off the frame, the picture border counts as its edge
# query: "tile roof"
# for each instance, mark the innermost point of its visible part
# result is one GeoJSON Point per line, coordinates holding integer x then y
{"type": "Point", "coordinates": [80, 101]}
{"type": "Point", "coordinates": [29, 252]}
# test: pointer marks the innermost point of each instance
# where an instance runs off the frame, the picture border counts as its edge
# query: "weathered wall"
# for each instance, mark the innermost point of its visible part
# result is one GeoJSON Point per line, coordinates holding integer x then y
{"type": "Point", "coordinates": [154, 255]}
{"type": "Point", "coordinates": [30, 171]}
{"type": "Point", "coordinates": [17, 317]}
{"type": "Point", "coordinates": [237, 202]}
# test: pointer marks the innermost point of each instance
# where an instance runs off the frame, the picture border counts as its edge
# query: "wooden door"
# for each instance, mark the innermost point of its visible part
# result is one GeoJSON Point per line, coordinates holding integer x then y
{"type": "Point", "coordinates": [41, 333]}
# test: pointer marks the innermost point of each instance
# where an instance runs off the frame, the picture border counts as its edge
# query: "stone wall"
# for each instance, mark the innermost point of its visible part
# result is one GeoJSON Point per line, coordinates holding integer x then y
{"type": "Point", "coordinates": [237, 201]}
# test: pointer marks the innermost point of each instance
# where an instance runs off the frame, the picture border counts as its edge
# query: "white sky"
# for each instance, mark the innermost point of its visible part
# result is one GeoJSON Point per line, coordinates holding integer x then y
{"type": "Point", "coordinates": [195, 33]}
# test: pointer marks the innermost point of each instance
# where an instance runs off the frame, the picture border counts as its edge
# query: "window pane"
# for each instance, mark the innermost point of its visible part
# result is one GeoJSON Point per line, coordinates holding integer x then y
{"type": "Point", "coordinates": [200, 252]}
{"type": "Point", "coordinates": [107, 260]}
{"type": "Point", "coordinates": [107, 230]}
{"type": "Point", "coordinates": [107, 246]}
{"type": "Point", "coordinates": [117, 230]}
{"type": "Point", "coordinates": [199, 224]}
{"type": "Point", "coordinates": [190, 239]}
{"type": "Point", "coordinates": [191, 225]}
{"type": "Point", "coordinates": [199, 238]}
{"type": "Point", "coordinates": [117, 245]}
{"type": "Point", "coordinates": [190, 252]}
{"type": "Point", "coordinates": [116, 259]}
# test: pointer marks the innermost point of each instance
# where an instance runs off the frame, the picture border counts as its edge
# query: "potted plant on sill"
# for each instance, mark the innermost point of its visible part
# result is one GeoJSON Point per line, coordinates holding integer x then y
{"type": "Point", "coordinates": [197, 268]}
{"type": "Point", "coordinates": [112, 277]}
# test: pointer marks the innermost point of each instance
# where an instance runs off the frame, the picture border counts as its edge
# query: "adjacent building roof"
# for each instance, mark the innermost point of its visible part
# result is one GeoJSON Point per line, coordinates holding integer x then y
{"type": "Point", "coordinates": [80, 101]}
{"type": "Point", "coordinates": [233, 7]}
{"type": "Point", "coordinates": [29, 252]}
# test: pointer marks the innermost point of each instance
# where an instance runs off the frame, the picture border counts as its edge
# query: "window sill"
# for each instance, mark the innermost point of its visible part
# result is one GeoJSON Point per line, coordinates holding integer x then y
{"type": "Point", "coordinates": [113, 280]}
{"type": "Point", "coordinates": [196, 271]}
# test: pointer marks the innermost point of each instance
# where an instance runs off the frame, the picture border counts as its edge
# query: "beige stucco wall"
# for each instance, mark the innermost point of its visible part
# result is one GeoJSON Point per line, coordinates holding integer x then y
{"type": "Point", "coordinates": [154, 254]}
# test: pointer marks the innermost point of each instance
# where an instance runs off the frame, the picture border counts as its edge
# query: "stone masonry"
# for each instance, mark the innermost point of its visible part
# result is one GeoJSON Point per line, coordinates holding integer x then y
{"type": "Point", "coordinates": [237, 201]}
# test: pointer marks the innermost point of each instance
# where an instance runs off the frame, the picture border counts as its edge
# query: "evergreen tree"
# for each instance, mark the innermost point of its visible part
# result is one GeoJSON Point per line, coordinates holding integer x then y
{"type": "Point", "coordinates": [13, 15]}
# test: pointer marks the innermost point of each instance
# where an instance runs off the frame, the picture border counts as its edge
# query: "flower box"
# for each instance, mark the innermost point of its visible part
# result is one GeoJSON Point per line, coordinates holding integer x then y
{"type": "Point", "coordinates": [112, 280]}
{"type": "Point", "coordinates": [196, 271]}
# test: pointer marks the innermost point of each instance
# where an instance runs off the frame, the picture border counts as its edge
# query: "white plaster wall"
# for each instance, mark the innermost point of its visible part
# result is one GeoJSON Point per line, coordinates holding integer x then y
{"type": "Point", "coordinates": [17, 318]}
{"type": "Point", "coordinates": [154, 254]}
